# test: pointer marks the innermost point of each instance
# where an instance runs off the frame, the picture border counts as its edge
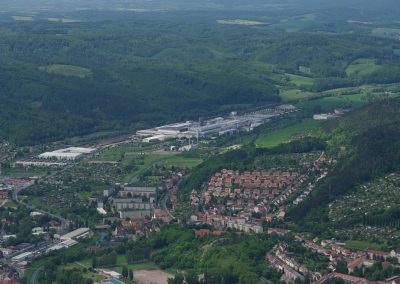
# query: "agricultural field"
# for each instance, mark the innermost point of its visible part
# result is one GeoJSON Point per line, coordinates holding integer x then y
{"type": "Point", "coordinates": [67, 70]}
{"type": "Point", "coordinates": [286, 134]}
{"type": "Point", "coordinates": [362, 67]}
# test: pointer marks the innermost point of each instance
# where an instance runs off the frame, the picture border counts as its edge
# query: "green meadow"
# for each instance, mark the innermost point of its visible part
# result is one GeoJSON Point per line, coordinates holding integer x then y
{"type": "Point", "coordinates": [66, 70]}
{"type": "Point", "coordinates": [277, 137]}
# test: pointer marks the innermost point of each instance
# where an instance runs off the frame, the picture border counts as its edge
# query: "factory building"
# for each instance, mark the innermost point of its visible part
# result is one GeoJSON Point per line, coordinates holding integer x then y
{"type": "Point", "coordinates": [215, 126]}
{"type": "Point", "coordinates": [71, 153]}
{"type": "Point", "coordinates": [77, 234]}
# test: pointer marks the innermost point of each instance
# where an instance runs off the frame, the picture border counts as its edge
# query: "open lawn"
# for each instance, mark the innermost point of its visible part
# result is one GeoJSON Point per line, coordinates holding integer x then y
{"type": "Point", "coordinates": [121, 261]}
{"type": "Point", "coordinates": [182, 161]}
{"type": "Point", "coordinates": [119, 153]}
{"type": "Point", "coordinates": [295, 95]}
{"type": "Point", "coordinates": [362, 245]}
{"type": "Point", "coordinates": [285, 134]}
{"type": "Point", "coordinates": [66, 70]}
{"type": "Point", "coordinates": [10, 204]}
{"type": "Point", "coordinates": [328, 104]}
{"type": "Point", "coordinates": [362, 67]}
{"type": "Point", "coordinates": [300, 80]}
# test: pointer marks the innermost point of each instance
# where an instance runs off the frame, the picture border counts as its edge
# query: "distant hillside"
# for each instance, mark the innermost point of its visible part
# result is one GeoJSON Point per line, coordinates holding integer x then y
{"type": "Point", "coordinates": [370, 141]}
{"type": "Point", "coordinates": [327, 58]}
{"type": "Point", "coordinates": [59, 80]}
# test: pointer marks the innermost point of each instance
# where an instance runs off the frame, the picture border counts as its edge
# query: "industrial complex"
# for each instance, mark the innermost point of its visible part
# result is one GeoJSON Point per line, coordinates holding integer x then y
{"type": "Point", "coordinates": [214, 127]}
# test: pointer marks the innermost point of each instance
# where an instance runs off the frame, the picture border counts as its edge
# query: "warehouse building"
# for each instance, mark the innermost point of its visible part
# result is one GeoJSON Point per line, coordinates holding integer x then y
{"type": "Point", "coordinates": [77, 234]}
{"type": "Point", "coordinates": [71, 153]}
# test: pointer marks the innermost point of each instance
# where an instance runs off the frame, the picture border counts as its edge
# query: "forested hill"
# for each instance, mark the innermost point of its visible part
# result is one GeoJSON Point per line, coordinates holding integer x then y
{"type": "Point", "coordinates": [64, 80]}
{"type": "Point", "coordinates": [59, 80]}
{"type": "Point", "coordinates": [369, 140]}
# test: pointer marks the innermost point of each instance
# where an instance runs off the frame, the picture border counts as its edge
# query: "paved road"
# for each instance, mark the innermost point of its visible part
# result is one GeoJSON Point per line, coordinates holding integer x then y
{"type": "Point", "coordinates": [164, 204]}
{"type": "Point", "coordinates": [34, 275]}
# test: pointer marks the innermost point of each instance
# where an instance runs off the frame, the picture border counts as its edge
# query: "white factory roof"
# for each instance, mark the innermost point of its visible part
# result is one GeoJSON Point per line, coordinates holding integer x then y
{"type": "Point", "coordinates": [60, 154]}
{"type": "Point", "coordinates": [76, 150]}
{"type": "Point", "coordinates": [75, 234]}
{"type": "Point", "coordinates": [156, 137]}
{"type": "Point", "coordinates": [22, 256]}
{"type": "Point", "coordinates": [64, 244]}
{"type": "Point", "coordinates": [68, 153]}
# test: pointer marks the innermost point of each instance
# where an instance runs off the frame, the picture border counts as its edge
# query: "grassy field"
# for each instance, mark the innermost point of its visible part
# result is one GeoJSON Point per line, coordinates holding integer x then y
{"type": "Point", "coordinates": [328, 104]}
{"type": "Point", "coordinates": [285, 134]}
{"type": "Point", "coordinates": [387, 32]}
{"type": "Point", "coordinates": [300, 80]}
{"type": "Point", "coordinates": [148, 161]}
{"type": "Point", "coordinates": [145, 157]}
{"type": "Point", "coordinates": [362, 67]}
{"type": "Point", "coordinates": [119, 153]}
{"type": "Point", "coordinates": [66, 70]}
{"type": "Point", "coordinates": [362, 245]}
{"type": "Point", "coordinates": [181, 161]}
{"type": "Point", "coordinates": [10, 204]}
{"type": "Point", "coordinates": [294, 95]}
{"type": "Point", "coordinates": [294, 24]}
{"type": "Point", "coordinates": [396, 51]}
{"type": "Point", "coordinates": [121, 261]}
{"type": "Point", "coordinates": [240, 22]}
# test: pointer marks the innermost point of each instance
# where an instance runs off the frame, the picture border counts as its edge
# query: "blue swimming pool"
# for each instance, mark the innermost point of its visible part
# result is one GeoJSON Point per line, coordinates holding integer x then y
{"type": "Point", "coordinates": [113, 281]}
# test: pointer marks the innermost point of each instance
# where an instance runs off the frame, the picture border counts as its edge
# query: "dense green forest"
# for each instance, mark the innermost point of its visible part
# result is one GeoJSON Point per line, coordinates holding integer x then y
{"type": "Point", "coordinates": [60, 80]}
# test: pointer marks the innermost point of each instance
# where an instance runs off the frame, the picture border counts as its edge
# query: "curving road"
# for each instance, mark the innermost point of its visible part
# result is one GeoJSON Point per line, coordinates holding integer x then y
{"type": "Point", "coordinates": [34, 275]}
{"type": "Point", "coordinates": [64, 222]}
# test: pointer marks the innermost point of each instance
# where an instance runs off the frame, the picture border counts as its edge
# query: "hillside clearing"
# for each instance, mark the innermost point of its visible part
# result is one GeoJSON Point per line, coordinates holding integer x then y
{"type": "Point", "coordinates": [284, 135]}
{"type": "Point", "coordinates": [66, 70]}
{"type": "Point", "coordinates": [362, 67]}
{"type": "Point", "coordinates": [300, 80]}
